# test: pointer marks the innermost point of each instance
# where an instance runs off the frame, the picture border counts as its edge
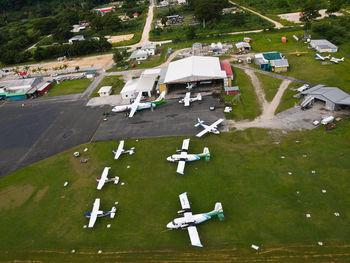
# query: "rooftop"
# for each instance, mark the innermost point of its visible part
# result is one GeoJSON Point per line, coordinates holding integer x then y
{"type": "Point", "coordinates": [105, 89]}
{"type": "Point", "coordinates": [323, 43]}
{"type": "Point", "coordinates": [333, 94]}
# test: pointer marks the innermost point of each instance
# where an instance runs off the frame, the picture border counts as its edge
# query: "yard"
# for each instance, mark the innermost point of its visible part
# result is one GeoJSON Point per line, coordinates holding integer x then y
{"type": "Point", "coordinates": [69, 87]}
{"type": "Point", "coordinates": [263, 204]}
{"type": "Point", "coordinates": [116, 82]}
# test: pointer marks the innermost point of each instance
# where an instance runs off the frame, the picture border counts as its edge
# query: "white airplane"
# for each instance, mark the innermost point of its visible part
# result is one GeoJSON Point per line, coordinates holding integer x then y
{"type": "Point", "coordinates": [184, 157]}
{"type": "Point", "coordinates": [104, 178]}
{"type": "Point", "coordinates": [190, 85]}
{"type": "Point", "coordinates": [95, 213]}
{"type": "Point", "coordinates": [208, 128]}
{"type": "Point", "coordinates": [137, 105]}
{"type": "Point", "coordinates": [190, 221]}
{"type": "Point", "coordinates": [320, 57]}
{"type": "Point", "coordinates": [187, 100]}
{"type": "Point", "coordinates": [336, 60]}
{"type": "Point", "coordinates": [121, 150]}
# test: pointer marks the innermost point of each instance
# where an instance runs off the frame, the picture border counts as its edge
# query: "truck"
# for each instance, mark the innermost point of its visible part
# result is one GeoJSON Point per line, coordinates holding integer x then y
{"type": "Point", "coordinates": [327, 120]}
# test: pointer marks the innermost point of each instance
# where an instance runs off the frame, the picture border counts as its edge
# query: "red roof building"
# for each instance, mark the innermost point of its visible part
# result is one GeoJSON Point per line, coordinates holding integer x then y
{"type": "Point", "coordinates": [135, 14]}
{"type": "Point", "coordinates": [225, 65]}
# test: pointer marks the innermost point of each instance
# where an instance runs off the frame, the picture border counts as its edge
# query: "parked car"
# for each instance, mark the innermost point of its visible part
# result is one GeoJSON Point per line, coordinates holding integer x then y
{"type": "Point", "coordinates": [212, 107]}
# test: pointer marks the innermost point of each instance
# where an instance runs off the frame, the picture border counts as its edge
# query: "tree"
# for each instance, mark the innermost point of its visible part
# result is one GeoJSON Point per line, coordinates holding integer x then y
{"type": "Point", "coordinates": [117, 56]}
{"type": "Point", "coordinates": [334, 6]}
{"type": "Point", "coordinates": [191, 33]}
{"type": "Point", "coordinates": [310, 11]}
{"type": "Point", "coordinates": [77, 68]}
{"type": "Point", "coordinates": [62, 32]}
{"type": "Point", "coordinates": [163, 20]}
{"type": "Point", "coordinates": [207, 10]}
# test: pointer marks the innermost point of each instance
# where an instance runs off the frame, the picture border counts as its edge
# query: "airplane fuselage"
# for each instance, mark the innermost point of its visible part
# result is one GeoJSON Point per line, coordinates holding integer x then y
{"type": "Point", "coordinates": [88, 215]}
{"type": "Point", "coordinates": [141, 106]}
{"type": "Point", "coordinates": [108, 180]}
{"type": "Point", "coordinates": [178, 157]}
{"type": "Point", "coordinates": [181, 221]}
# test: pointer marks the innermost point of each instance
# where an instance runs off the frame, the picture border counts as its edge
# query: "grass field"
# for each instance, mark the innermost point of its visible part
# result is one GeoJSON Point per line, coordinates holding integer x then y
{"type": "Point", "coordinates": [270, 85]}
{"type": "Point", "coordinates": [287, 100]}
{"type": "Point", "coordinates": [69, 87]}
{"type": "Point", "coordinates": [249, 109]}
{"type": "Point", "coordinates": [116, 82]}
{"type": "Point", "coordinates": [42, 220]}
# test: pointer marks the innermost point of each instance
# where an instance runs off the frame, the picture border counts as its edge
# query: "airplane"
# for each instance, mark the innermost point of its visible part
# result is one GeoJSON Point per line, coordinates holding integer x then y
{"type": "Point", "coordinates": [187, 100]}
{"type": "Point", "coordinates": [137, 105]}
{"type": "Point", "coordinates": [121, 150]}
{"type": "Point", "coordinates": [95, 213]}
{"type": "Point", "coordinates": [336, 60]}
{"type": "Point", "coordinates": [184, 157]}
{"type": "Point", "coordinates": [320, 57]}
{"type": "Point", "coordinates": [190, 221]}
{"type": "Point", "coordinates": [208, 128]}
{"type": "Point", "coordinates": [104, 178]}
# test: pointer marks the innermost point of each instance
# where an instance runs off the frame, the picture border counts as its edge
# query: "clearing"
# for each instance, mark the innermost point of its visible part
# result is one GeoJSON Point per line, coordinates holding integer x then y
{"type": "Point", "coordinates": [120, 38]}
{"type": "Point", "coordinates": [69, 87]}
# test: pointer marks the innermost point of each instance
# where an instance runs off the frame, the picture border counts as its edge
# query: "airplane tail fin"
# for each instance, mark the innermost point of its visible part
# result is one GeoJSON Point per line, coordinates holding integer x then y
{"type": "Point", "coordinates": [198, 123]}
{"type": "Point", "coordinates": [132, 150]}
{"type": "Point", "coordinates": [220, 212]}
{"type": "Point", "coordinates": [113, 210]}
{"type": "Point", "coordinates": [161, 96]}
{"type": "Point", "coordinates": [199, 96]}
{"type": "Point", "coordinates": [206, 154]}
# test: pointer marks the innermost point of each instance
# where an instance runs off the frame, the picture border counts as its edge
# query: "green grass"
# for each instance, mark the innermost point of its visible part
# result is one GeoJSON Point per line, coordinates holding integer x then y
{"type": "Point", "coordinates": [270, 85]}
{"type": "Point", "coordinates": [249, 109]}
{"type": "Point", "coordinates": [69, 87]}
{"type": "Point", "coordinates": [42, 220]}
{"type": "Point", "coordinates": [287, 100]}
{"type": "Point", "coordinates": [116, 82]}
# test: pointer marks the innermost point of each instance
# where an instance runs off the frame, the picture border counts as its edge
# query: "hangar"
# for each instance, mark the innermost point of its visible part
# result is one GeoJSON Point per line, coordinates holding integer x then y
{"type": "Point", "coordinates": [195, 69]}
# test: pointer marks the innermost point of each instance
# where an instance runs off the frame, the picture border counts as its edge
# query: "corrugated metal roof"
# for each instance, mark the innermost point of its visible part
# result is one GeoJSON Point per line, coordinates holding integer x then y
{"type": "Point", "coordinates": [138, 53]}
{"type": "Point", "coordinates": [333, 94]}
{"type": "Point", "coordinates": [272, 55]}
{"type": "Point", "coordinates": [280, 63]}
{"type": "Point", "coordinates": [130, 85]}
{"type": "Point", "coordinates": [195, 68]}
{"type": "Point", "coordinates": [323, 43]}
{"type": "Point", "coordinates": [146, 83]}
{"type": "Point", "coordinates": [105, 89]}
{"type": "Point", "coordinates": [225, 65]}
{"type": "Point", "coordinates": [242, 44]}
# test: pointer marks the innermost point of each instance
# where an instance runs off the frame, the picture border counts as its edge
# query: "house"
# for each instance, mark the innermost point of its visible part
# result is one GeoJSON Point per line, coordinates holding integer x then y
{"type": "Point", "coordinates": [105, 10]}
{"type": "Point", "coordinates": [181, 2]}
{"type": "Point", "coordinates": [279, 65]}
{"type": "Point", "coordinates": [323, 45]}
{"type": "Point", "coordinates": [135, 14]}
{"type": "Point", "coordinates": [77, 28]}
{"type": "Point", "coordinates": [231, 90]}
{"type": "Point", "coordinates": [105, 91]}
{"type": "Point", "coordinates": [163, 4]}
{"type": "Point", "coordinates": [271, 61]}
{"type": "Point", "coordinates": [149, 48]}
{"type": "Point", "coordinates": [90, 74]}
{"type": "Point", "coordinates": [333, 97]}
{"type": "Point", "coordinates": [139, 55]}
{"type": "Point", "coordinates": [242, 47]}
{"type": "Point", "coordinates": [76, 38]}
{"type": "Point", "coordinates": [44, 88]}
{"type": "Point", "coordinates": [19, 89]}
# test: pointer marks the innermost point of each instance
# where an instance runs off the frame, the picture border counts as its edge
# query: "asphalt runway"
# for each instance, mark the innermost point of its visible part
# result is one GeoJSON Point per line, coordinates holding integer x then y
{"type": "Point", "coordinates": [169, 119]}
{"type": "Point", "coordinates": [40, 130]}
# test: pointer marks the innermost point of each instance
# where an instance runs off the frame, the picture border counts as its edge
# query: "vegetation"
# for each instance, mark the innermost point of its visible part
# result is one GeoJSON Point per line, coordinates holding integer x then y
{"type": "Point", "coordinates": [248, 107]}
{"type": "Point", "coordinates": [270, 85]}
{"type": "Point", "coordinates": [263, 204]}
{"type": "Point", "coordinates": [287, 100]}
{"type": "Point", "coordinates": [116, 82]}
{"type": "Point", "coordinates": [69, 87]}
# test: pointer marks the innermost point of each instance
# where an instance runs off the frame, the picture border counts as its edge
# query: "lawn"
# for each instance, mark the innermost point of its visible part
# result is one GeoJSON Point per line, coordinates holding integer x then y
{"type": "Point", "coordinates": [287, 100]}
{"type": "Point", "coordinates": [263, 204]}
{"type": "Point", "coordinates": [69, 87]}
{"type": "Point", "coordinates": [116, 82]}
{"type": "Point", "coordinates": [249, 107]}
{"type": "Point", "coordinates": [270, 85]}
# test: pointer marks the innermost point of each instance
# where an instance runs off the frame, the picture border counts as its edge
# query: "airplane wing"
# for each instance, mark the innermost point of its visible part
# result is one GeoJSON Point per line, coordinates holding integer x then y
{"type": "Point", "coordinates": [184, 201]}
{"type": "Point", "coordinates": [187, 99]}
{"type": "Point", "coordinates": [185, 144]}
{"type": "Point", "coordinates": [193, 233]}
{"type": "Point", "coordinates": [180, 167]}
{"type": "Point", "coordinates": [119, 150]}
{"type": "Point", "coordinates": [94, 213]}
{"type": "Point", "coordinates": [135, 105]}
{"type": "Point", "coordinates": [215, 124]}
{"type": "Point", "coordinates": [206, 130]}
{"type": "Point", "coordinates": [103, 178]}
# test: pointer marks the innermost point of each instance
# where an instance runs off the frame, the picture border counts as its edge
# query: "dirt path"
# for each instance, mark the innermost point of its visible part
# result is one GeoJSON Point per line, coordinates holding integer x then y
{"type": "Point", "coordinates": [277, 24]}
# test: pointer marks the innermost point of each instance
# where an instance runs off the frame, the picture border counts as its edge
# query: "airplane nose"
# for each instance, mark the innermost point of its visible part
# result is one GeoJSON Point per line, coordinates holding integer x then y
{"type": "Point", "coordinates": [170, 159]}
{"type": "Point", "coordinates": [170, 225]}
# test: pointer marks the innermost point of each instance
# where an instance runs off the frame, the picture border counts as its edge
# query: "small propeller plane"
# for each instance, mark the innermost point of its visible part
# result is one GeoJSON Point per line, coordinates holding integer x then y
{"type": "Point", "coordinates": [320, 57]}
{"type": "Point", "coordinates": [208, 128]}
{"type": "Point", "coordinates": [189, 221]}
{"type": "Point", "coordinates": [104, 178]}
{"type": "Point", "coordinates": [121, 150]}
{"type": "Point", "coordinates": [336, 60]}
{"type": "Point", "coordinates": [95, 213]}
{"type": "Point", "coordinates": [184, 157]}
{"type": "Point", "coordinates": [187, 100]}
{"type": "Point", "coordinates": [137, 105]}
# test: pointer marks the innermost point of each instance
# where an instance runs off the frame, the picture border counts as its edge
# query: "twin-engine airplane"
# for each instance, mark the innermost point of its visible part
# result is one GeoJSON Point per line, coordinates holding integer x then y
{"type": "Point", "coordinates": [121, 150]}
{"type": "Point", "coordinates": [137, 105]}
{"type": "Point", "coordinates": [190, 221]}
{"type": "Point", "coordinates": [213, 128]}
{"type": "Point", "coordinates": [184, 157]}
{"type": "Point", "coordinates": [104, 178]}
{"type": "Point", "coordinates": [187, 100]}
{"type": "Point", "coordinates": [95, 213]}
{"type": "Point", "coordinates": [336, 60]}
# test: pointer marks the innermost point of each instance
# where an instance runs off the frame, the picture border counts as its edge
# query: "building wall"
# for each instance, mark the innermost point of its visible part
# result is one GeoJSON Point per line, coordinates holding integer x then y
{"type": "Point", "coordinates": [128, 95]}
{"type": "Point", "coordinates": [163, 87]}
{"type": "Point", "coordinates": [284, 69]}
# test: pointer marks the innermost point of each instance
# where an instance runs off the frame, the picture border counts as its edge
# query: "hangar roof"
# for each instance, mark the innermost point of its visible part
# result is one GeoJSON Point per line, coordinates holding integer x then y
{"type": "Point", "coordinates": [333, 94]}
{"type": "Point", "coordinates": [195, 68]}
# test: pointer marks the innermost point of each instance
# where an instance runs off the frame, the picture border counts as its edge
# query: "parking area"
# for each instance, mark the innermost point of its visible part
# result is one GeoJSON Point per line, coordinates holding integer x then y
{"type": "Point", "coordinates": [169, 119]}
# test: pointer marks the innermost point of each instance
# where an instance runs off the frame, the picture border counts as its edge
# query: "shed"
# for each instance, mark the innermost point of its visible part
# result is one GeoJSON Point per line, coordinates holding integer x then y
{"type": "Point", "coordinates": [243, 47]}
{"type": "Point", "coordinates": [333, 97]}
{"type": "Point", "coordinates": [279, 65]}
{"type": "Point", "coordinates": [323, 45]}
{"type": "Point", "coordinates": [129, 90]}
{"type": "Point", "coordinates": [226, 66]}
{"type": "Point", "coordinates": [76, 38]}
{"type": "Point", "coordinates": [90, 74]}
{"type": "Point", "coordinates": [105, 91]}
{"type": "Point", "coordinates": [44, 88]}
{"type": "Point", "coordinates": [231, 90]}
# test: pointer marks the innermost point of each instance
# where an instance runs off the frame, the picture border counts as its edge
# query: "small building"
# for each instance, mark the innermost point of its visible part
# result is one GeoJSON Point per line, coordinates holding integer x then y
{"type": "Point", "coordinates": [105, 10]}
{"type": "Point", "coordinates": [150, 49]}
{"type": "Point", "coordinates": [226, 66]}
{"type": "Point", "coordinates": [181, 2]}
{"type": "Point", "coordinates": [20, 89]}
{"type": "Point", "coordinates": [279, 65]}
{"type": "Point", "coordinates": [129, 90]}
{"type": "Point", "coordinates": [135, 14]}
{"type": "Point", "coordinates": [161, 84]}
{"type": "Point", "coordinates": [323, 45]}
{"type": "Point", "coordinates": [242, 47]}
{"type": "Point", "coordinates": [90, 74]}
{"type": "Point", "coordinates": [139, 55]}
{"type": "Point", "coordinates": [231, 90]}
{"type": "Point", "coordinates": [44, 88]}
{"type": "Point", "coordinates": [77, 28]}
{"type": "Point", "coordinates": [76, 38]}
{"type": "Point", "coordinates": [333, 97]}
{"type": "Point", "coordinates": [2, 94]}
{"type": "Point", "coordinates": [105, 91]}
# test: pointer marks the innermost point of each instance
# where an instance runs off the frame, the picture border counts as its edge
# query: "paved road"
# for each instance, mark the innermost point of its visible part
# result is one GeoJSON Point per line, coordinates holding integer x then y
{"type": "Point", "coordinates": [275, 75]}
{"type": "Point", "coordinates": [169, 119]}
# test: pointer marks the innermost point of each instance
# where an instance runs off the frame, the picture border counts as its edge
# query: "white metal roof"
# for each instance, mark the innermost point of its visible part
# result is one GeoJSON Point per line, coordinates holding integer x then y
{"type": "Point", "coordinates": [105, 89]}
{"type": "Point", "coordinates": [152, 71]}
{"type": "Point", "coordinates": [333, 94]}
{"type": "Point", "coordinates": [130, 86]}
{"type": "Point", "coordinates": [242, 44]}
{"type": "Point", "coordinates": [146, 83]}
{"type": "Point", "coordinates": [138, 53]}
{"type": "Point", "coordinates": [195, 68]}
{"type": "Point", "coordinates": [323, 43]}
